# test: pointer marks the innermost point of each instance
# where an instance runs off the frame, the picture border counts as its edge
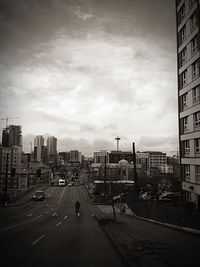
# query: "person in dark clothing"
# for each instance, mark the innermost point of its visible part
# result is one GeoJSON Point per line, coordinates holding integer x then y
{"type": "Point", "coordinates": [77, 207]}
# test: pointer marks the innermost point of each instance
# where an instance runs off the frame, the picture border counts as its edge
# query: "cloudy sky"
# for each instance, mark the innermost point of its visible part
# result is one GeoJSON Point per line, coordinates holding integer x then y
{"type": "Point", "coordinates": [86, 71]}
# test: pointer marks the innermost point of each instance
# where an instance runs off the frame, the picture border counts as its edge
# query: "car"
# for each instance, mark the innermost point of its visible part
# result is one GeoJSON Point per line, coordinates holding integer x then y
{"type": "Point", "coordinates": [61, 182]}
{"type": "Point", "coordinates": [38, 195]}
{"type": "Point", "coordinates": [169, 197]}
{"type": "Point", "coordinates": [70, 184]}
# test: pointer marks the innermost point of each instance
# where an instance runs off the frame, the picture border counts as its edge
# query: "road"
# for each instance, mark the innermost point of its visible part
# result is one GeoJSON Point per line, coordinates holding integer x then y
{"type": "Point", "coordinates": [48, 233]}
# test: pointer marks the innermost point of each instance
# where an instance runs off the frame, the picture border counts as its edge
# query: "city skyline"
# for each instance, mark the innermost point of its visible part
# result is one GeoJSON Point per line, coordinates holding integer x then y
{"type": "Point", "coordinates": [87, 72]}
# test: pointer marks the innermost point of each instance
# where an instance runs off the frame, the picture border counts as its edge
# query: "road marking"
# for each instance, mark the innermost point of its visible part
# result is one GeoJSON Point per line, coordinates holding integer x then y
{"type": "Point", "coordinates": [65, 217]}
{"type": "Point", "coordinates": [61, 195]}
{"type": "Point", "coordinates": [37, 240]}
{"type": "Point", "coordinates": [20, 224]}
{"type": "Point", "coordinates": [58, 223]}
{"type": "Point", "coordinates": [29, 215]}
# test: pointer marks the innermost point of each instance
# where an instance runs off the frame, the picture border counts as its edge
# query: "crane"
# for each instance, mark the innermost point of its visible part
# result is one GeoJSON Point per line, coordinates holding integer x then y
{"type": "Point", "coordinates": [7, 118]}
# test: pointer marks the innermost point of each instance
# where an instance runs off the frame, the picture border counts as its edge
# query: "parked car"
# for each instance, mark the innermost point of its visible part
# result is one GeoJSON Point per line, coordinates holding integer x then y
{"type": "Point", "coordinates": [38, 195]}
{"type": "Point", "coordinates": [169, 197]}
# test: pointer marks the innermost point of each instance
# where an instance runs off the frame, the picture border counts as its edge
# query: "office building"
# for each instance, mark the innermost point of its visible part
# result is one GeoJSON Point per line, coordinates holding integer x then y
{"type": "Point", "coordinates": [116, 156]}
{"type": "Point", "coordinates": [101, 156]}
{"type": "Point", "coordinates": [150, 159]}
{"type": "Point", "coordinates": [38, 147]}
{"type": "Point", "coordinates": [12, 136]}
{"type": "Point", "coordinates": [188, 52]}
{"type": "Point", "coordinates": [75, 156]}
{"type": "Point", "coordinates": [51, 146]}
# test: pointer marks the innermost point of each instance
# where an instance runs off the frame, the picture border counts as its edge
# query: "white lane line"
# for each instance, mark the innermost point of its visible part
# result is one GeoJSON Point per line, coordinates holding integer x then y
{"type": "Point", "coordinates": [58, 223]}
{"type": "Point", "coordinates": [61, 195]}
{"type": "Point", "coordinates": [37, 240]}
{"type": "Point", "coordinates": [20, 224]}
{"type": "Point", "coordinates": [65, 217]}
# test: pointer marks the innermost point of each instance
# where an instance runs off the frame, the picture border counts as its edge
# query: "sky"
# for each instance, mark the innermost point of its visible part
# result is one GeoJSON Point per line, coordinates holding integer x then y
{"type": "Point", "coordinates": [86, 71]}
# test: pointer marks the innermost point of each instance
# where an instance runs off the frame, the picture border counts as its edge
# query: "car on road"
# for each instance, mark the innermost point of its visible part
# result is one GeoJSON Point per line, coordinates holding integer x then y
{"type": "Point", "coordinates": [70, 184]}
{"type": "Point", "coordinates": [61, 182]}
{"type": "Point", "coordinates": [38, 195]}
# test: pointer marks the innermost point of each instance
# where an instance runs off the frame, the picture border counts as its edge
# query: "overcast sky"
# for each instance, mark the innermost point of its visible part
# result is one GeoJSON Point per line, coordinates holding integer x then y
{"type": "Point", "coordinates": [86, 71]}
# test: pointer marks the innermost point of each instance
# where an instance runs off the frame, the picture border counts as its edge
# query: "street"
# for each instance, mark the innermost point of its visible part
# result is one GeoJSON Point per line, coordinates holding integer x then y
{"type": "Point", "coordinates": [48, 233]}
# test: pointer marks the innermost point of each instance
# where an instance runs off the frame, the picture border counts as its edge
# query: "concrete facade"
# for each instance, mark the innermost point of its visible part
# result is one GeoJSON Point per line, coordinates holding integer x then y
{"type": "Point", "coordinates": [188, 53]}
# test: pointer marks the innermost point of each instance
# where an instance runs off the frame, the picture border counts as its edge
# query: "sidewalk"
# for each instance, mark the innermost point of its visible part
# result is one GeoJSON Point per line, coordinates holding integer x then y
{"type": "Point", "coordinates": [137, 246]}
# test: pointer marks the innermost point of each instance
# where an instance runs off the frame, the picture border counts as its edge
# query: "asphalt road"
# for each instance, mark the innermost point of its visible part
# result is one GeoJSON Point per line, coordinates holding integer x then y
{"type": "Point", "coordinates": [48, 233]}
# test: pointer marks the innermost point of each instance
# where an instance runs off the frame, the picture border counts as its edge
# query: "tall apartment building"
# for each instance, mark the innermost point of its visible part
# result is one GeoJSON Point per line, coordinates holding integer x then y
{"type": "Point", "coordinates": [52, 146]}
{"type": "Point", "coordinates": [188, 53]}
{"type": "Point", "coordinates": [12, 136]}
{"type": "Point", "coordinates": [38, 147]}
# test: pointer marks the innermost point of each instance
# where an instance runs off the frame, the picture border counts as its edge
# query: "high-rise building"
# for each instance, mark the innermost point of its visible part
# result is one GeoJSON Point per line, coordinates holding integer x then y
{"type": "Point", "coordinates": [188, 53]}
{"type": "Point", "coordinates": [51, 146]}
{"type": "Point", "coordinates": [75, 156]}
{"type": "Point", "coordinates": [38, 147]}
{"type": "Point", "coordinates": [12, 136]}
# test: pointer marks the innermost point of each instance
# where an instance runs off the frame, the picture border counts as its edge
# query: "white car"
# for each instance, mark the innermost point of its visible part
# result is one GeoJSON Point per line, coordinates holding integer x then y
{"type": "Point", "coordinates": [61, 182]}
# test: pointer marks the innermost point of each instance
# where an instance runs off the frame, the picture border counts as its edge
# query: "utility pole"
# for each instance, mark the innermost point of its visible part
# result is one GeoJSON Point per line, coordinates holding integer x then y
{"type": "Point", "coordinates": [6, 181]}
{"type": "Point", "coordinates": [105, 178]}
{"type": "Point", "coordinates": [135, 171]}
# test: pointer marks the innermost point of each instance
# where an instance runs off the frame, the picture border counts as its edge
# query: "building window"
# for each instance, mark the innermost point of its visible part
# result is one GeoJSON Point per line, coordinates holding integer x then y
{"type": "Point", "coordinates": [193, 21]}
{"type": "Point", "coordinates": [182, 34]}
{"type": "Point", "coordinates": [187, 171]}
{"type": "Point", "coordinates": [183, 56]}
{"type": "Point", "coordinates": [194, 45]}
{"type": "Point", "coordinates": [187, 146]}
{"type": "Point", "coordinates": [185, 100]}
{"type": "Point", "coordinates": [196, 93]}
{"type": "Point", "coordinates": [197, 119]}
{"type": "Point", "coordinates": [197, 145]}
{"type": "Point", "coordinates": [183, 78]}
{"type": "Point", "coordinates": [185, 124]}
{"type": "Point", "coordinates": [197, 172]}
{"type": "Point", "coordinates": [195, 69]}
{"type": "Point", "coordinates": [181, 13]}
